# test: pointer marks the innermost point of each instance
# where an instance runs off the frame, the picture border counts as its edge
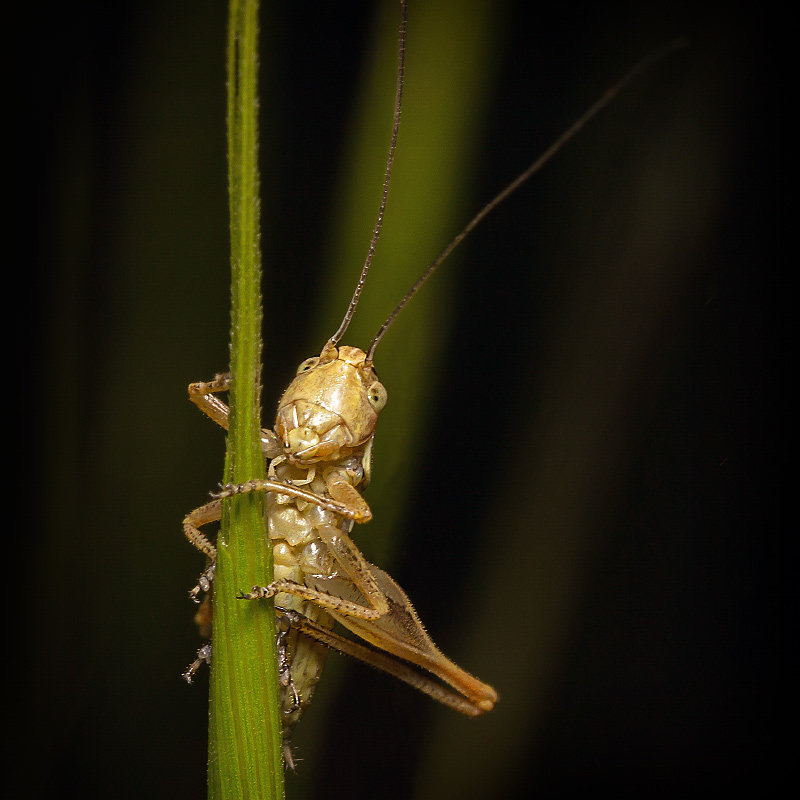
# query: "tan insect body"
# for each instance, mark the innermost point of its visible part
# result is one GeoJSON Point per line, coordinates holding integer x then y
{"type": "Point", "coordinates": [319, 462]}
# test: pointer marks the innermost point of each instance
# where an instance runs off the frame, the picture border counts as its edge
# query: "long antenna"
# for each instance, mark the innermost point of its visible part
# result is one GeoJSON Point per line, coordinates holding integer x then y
{"type": "Point", "coordinates": [576, 126]}
{"type": "Point", "coordinates": [398, 99]}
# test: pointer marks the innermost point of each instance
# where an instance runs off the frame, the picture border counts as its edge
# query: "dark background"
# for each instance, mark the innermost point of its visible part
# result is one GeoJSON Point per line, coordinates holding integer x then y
{"type": "Point", "coordinates": [587, 519]}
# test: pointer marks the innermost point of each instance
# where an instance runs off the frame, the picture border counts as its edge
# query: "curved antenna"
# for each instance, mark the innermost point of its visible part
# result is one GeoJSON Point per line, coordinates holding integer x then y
{"type": "Point", "coordinates": [401, 58]}
{"type": "Point", "coordinates": [592, 111]}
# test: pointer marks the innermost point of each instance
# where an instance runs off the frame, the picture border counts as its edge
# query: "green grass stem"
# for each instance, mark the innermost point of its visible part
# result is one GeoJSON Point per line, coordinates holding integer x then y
{"type": "Point", "coordinates": [245, 759]}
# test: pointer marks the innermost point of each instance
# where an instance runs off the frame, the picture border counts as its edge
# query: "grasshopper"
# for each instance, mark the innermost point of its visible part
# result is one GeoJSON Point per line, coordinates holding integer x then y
{"type": "Point", "coordinates": [319, 462]}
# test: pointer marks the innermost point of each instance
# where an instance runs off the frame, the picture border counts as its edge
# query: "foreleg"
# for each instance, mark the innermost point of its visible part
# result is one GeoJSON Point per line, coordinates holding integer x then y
{"type": "Point", "coordinates": [203, 395]}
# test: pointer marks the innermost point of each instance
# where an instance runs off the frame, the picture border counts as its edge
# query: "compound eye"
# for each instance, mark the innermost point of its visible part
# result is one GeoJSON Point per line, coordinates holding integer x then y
{"type": "Point", "coordinates": [377, 395]}
{"type": "Point", "coordinates": [308, 364]}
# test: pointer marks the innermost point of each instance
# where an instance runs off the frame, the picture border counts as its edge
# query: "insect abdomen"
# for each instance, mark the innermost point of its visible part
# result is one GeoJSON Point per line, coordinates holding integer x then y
{"type": "Point", "coordinates": [297, 552]}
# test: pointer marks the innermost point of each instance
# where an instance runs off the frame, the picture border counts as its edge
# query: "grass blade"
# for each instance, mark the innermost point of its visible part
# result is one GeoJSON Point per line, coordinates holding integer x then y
{"type": "Point", "coordinates": [245, 726]}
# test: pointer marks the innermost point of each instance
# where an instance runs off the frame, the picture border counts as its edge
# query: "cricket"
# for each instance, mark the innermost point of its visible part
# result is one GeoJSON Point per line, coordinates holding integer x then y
{"type": "Point", "coordinates": [319, 462]}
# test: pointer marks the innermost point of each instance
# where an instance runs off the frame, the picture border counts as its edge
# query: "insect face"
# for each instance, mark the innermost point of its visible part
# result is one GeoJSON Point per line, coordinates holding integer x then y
{"type": "Point", "coordinates": [330, 409]}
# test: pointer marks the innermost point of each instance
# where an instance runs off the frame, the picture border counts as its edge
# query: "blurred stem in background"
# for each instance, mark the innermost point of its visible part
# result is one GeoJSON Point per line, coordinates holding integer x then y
{"type": "Point", "coordinates": [450, 53]}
